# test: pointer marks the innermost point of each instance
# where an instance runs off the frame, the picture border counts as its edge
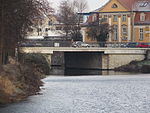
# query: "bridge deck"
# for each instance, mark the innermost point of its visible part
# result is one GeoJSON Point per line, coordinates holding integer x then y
{"type": "Point", "coordinates": [50, 50]}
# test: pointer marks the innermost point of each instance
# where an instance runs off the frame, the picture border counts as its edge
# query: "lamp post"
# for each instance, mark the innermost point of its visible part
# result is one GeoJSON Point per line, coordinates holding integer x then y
{"type": "Point", "coordinates": [132, 17]}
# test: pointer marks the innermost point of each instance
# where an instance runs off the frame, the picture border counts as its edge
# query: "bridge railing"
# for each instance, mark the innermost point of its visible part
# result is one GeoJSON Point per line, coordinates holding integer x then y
{"type": "Point", "coordinates": [109, 44]}
{"type": "Point", "coordinates": [45, 43]}
{"type": "Point", "coordinates": [65, 43]}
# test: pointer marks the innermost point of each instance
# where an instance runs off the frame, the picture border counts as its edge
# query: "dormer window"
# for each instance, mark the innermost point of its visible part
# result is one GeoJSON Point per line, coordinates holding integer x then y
{"type": "Point", "coordinates": [114, 6]}
{"type": "Point", "coordinates": [142, 17]}
{"type": "Point", "coordinates": [143, 4]}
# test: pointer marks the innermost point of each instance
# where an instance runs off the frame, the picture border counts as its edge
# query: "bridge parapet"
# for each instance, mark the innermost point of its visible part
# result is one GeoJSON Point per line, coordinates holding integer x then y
{"type": "Point", "coordinates": [71, 49]}
{"type": "Point", "coordinates": [128, 51]}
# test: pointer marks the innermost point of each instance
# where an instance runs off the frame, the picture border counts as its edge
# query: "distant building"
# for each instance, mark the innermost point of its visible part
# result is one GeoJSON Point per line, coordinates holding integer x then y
{"type": "Point", "coordinates": [46, 26]}
{"type": "Point", "coordinates": [47, 32]}
{"type": "Point", "coordinates": [130, 20]}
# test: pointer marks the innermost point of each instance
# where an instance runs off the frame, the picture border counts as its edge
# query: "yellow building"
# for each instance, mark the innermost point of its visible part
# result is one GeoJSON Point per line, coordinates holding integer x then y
{"type": "Point", "coordinates": [130, 20]}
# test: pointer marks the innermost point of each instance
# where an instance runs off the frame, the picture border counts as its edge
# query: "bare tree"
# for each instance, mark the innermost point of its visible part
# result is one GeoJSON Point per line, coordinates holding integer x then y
{"type": "Point", "coordinates": [68, 15]}
{"type": "Point", "coordinates": [16, 18]}
{"type": "Point", "coordinates": [99, 30]}
{"type": "Point", "coordinates": [81, 5]}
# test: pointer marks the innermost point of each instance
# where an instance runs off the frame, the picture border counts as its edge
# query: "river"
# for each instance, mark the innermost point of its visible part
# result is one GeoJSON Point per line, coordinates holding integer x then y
{"type": "Point", "coordinates": [88, 94]}
{"type": "Point", "coordinates": [85, 72]}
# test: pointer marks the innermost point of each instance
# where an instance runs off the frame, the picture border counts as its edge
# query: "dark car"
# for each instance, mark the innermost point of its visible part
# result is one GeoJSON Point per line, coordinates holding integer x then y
{"type": "Point", "coordinates": [132, 44]}
{"type": "Point", "coordinates": [143, 45]}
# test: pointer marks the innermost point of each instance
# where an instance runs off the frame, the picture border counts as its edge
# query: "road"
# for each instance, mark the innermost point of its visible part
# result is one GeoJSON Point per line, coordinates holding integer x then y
{"type": "Point", "coordinates": [88, 94]}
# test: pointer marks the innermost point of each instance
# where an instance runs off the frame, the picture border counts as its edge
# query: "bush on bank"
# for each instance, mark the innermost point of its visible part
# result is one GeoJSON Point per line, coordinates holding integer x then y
{"type": "Point", "coordinates": [17, 80]}
{"type": "Point", "coordinates": [39, 61]}
{"type": "Point", "coordinates": [136, 66]}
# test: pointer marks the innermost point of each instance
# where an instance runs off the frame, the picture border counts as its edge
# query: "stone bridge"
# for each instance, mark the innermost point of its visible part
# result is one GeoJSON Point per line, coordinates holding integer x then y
{"type": "Point", "coordinates": [91, 58]}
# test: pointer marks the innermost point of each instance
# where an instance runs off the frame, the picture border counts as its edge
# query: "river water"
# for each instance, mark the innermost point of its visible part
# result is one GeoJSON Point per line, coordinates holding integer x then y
{"type": "Point", "coordinates": [85, 72]}
{"type": "Point", "coordinates": [88, 94]}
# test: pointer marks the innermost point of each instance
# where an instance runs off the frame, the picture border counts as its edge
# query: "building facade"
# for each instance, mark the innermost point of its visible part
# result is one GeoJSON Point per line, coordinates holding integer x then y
{"type": "Point", "coordinates": [130, 20]}
{"type": "Point", "coordinates": [46, 26]}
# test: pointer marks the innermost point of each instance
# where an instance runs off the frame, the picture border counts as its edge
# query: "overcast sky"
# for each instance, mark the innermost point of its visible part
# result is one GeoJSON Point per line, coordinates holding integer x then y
{"type": "Point", "coordinates": [92, 4]}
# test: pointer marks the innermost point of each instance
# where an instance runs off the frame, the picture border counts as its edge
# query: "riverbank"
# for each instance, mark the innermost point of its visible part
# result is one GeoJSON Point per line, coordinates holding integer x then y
{"type": "Point", "coordinates": [17, 82]}
{"type": "Point", "coordinates": [20, 80]}
{"type": "Point", "coordinates": [136, 66]}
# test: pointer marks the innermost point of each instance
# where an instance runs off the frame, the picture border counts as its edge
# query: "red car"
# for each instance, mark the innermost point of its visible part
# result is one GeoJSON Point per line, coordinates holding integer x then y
{"type": "Point", "coordinates": [143, 45]}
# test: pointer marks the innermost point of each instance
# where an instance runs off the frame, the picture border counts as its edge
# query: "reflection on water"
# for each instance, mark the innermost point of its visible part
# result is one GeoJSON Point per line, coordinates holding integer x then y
{"type": "Point", "coordinates": [78, 72]}
{"type": "Point", "coordinates": [71, 72]}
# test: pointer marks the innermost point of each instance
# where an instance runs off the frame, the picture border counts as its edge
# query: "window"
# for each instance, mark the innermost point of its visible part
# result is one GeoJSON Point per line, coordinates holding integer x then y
{"type": "Point", "coordinates": [40, 22]}
{"type": "Point", "coordinates": [124, 38]}
{"type": "Point", "coordinates": [141, 34]}
{"type": "Point", "coordinates": [49, 23]}
{"type": "Point", "coordinates": [46, 29]}
{"type": "Point", "coordinates": [105, 16]}
{"type": "Point", "coordinates": [30, 29]}
{"type": "Point", "coordinates": [142, 17]}
{"type": "Point", "coordinates": [104, 19]}
{"type": "Point", "coordinates": [115, 18]}
{"type": "Point", "coordinates": [94, 18]}
{"type": "Point", "coordinates": [124, 30]}
{"type": "Point", "coordinates": [115, 32]}
{"type": "Point", "coordinates": [114, 6]}
{"type": "Point", "coordinates": [124, 18]}
{"type": "Point", "coordinates": [39, 29]}
{"type": "Point", "coordinates": [58, 28]}
{"type": "Point", "coordinates": [81, 18]}
{"type": "Point", "coordinates": [143, 4]}
{"type": "Point", "coordinates": [147, 31]}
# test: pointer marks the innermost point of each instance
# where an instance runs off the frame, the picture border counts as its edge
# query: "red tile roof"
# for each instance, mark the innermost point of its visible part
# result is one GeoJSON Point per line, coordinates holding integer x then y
{"type": "Point", "coordinates": [135, 5]}
{"type": "Point", "coordinates": [128, 3]}
{"type": "Point", "coordinates": [137, 18]}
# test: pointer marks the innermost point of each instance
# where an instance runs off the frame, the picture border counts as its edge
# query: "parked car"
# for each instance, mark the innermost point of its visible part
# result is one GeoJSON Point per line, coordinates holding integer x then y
{"type": "Point", "coordinates": [80, 44]}
{"type": "Point", "coordinates": [143, 45]}
{"type": "Point", "coordinates": [132, 44]}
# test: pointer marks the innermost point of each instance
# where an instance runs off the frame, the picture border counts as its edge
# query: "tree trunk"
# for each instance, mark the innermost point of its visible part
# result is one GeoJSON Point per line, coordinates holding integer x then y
{"type": "Point", "coordinates": [1, 34]}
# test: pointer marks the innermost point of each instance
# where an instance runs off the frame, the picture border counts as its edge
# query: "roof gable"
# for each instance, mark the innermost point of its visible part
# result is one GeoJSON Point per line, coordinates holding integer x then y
{"type": "Point", "coordinates": [113, 6]}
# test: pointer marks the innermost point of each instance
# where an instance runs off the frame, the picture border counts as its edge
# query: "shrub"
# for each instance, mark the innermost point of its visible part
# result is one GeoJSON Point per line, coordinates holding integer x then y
{"type": "Point", "coordinates": [39, 61]}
